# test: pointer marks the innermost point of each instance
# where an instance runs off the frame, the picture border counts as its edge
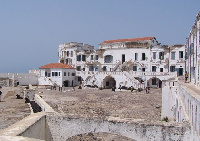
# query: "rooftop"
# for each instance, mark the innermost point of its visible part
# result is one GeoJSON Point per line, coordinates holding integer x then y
{"type": "Point", "coordinates": [129, 40]}
{"type": "Point", "coordinates": [56, 65]}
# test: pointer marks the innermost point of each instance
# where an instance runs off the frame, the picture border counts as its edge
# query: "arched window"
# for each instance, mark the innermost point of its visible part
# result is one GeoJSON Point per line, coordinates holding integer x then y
{"type": "Point", "coordinates": [108, 59]}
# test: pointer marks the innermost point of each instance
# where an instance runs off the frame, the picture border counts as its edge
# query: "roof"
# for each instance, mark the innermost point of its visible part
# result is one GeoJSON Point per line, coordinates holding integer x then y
{"type": "Point", "coordinates": [129, 40]}
{"type": "Point", "coordinates": [56, 65]}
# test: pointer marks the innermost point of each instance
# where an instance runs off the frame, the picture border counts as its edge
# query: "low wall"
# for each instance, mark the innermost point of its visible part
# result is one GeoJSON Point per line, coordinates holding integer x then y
{"type": "Point", "coordinates": [33, 126]}
{"type": "Point", "coordinates": [62, 128]}
{"type": "Point", "coordinates": [44, 106]}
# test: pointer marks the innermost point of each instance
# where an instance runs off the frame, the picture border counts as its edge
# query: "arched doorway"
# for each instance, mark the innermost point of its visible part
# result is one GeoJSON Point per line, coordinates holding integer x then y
{"type": "Point", "coordinates": [154, 82]}
{"type": "Point", "coordinates": [66, 83]}
{"type": "Point", "coordinates": [109, 82]}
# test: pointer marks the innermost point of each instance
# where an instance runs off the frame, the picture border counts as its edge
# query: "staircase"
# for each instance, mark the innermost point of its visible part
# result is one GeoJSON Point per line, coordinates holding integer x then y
{"type": "Point", "coordinates": [117, 65]}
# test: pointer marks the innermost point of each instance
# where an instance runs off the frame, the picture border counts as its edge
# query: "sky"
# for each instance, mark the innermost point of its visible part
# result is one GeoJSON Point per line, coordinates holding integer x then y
{"type": "Point", "coordinates": [31, 30]}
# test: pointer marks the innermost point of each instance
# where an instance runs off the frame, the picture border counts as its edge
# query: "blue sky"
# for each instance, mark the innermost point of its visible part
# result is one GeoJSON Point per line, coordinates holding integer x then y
{"type": "Point", "coordinates": [31, 30]}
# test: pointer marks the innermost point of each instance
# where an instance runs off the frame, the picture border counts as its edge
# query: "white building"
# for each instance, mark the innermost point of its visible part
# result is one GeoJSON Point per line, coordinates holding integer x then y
{"type": "Point", "coordinates": [57, 74]}
{"type": "Point", "coordinates": [193, 52]}
{"type": "Point", "coordinates": [132, 58]}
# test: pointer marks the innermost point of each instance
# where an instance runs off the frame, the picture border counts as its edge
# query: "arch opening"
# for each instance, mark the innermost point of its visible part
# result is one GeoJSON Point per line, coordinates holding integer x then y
{"type": "Point", "coordinates": [109, 82]}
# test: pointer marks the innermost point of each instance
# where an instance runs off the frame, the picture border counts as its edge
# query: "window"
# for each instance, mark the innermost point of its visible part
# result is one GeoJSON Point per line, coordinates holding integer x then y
{"type": "Point", "coordinates": [73, 74]}
{"type": "Point", "coordinates": [67, 53]}
{"type": "Point", "coordinates": [91, 68]}
{"type": "Point", "coordinates": [172, 68]}
{"type": "Point", "coordinates": [180, 54]}
{"type": "Point", "coordinates": [78, 57]}
{"type": "Point", "coordinates": [143, 56]}
{"type": "Point", "coordinates": [96, 68]}
{"type": "Point", "coordinates": [53, 73]}
{"type": "Point", "coordinates": [83, 58]}
{"type": "Point", "coordinates": [68, 73]}
{"type": "Point", "coordinates": [134, 68]}
{"type": "Point", "coordinates": [56, 73]}
{"type": "Point", "coordinates": [104, 68]}
{"type": "Point", "coordinates": [67, 61]}
{"type": "Point", "coordinates": [153, 68]}
{"type": "Point", "coordinates": [78, 68]}
{"type": "Point", "coordinates": [79, 78]}
{"type": "Point", "coordinates": [97, 57]}
{"type": "Point", "coordinates": [64, 73]}
{"type": "Point", "coordinates": [49, 74]}
{"type": "Point", "coordinates": [161, 69]}
{"type": "Point", "coordinates": [108, 59]}
{"type": "Point", "coordinates": [143, 69]}
{"type": "Point", "coordinates": [154, 55]}
{"type": "Point", "coordinates": [154, 81]}
{"type": "Point", "coordinates": [161, 55]}
{"type": "Point", "coordinates": [71, 61]}
{"type": "Point", "coordinates": [91, 57]}
{"type": "Point", "coordinates": [136, 56]}
{"type": "Point", "coordinates": [71, 53]}
{"type": "Point", "coordinates": [59, 74]}
{"type": "Point", "coordinates": [172, 55]}
{"type": "Point", "coordinates": [45, 73]}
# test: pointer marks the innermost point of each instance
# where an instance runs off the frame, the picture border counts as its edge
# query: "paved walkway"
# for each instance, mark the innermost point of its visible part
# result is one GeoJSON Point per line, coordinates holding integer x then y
{"type": "Point", "coordinates": [190, 87]}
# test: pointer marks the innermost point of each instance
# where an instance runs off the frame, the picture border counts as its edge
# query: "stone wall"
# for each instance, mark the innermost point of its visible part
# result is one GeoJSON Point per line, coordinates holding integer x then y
{"type": "Point", "coordinates": [62, 128]}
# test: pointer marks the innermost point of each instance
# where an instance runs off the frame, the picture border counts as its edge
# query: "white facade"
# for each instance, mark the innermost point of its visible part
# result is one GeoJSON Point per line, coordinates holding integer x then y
{"type": "Point", "coordinates": [57, 76]}
{"type": "Point", "coordinates": [193, 52]}
{"type": "Point", "coordinates": [124, 55]}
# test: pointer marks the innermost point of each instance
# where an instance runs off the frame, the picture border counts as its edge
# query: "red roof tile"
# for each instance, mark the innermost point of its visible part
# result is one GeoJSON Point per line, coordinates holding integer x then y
{"type": "Point", "coordinates": [56, 65]}
{"type": "Point", "coordinates": [129, 40]}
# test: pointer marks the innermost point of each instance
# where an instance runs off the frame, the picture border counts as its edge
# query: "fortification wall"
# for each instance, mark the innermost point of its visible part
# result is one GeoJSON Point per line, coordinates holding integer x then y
{"type": "Point", "coordinates": [62, 128]}
{"type": "Point", "coordinates": [33, 126]}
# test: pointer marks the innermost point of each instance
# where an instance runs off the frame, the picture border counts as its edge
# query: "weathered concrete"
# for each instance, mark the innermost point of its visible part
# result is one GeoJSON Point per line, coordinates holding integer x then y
{"type": "Point", "coordinates": [64, 127]}
{"type": "Point", "coordinates": [33, 126]}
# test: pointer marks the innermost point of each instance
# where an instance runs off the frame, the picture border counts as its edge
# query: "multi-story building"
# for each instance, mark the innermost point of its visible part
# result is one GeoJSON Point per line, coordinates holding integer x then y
{"type": "Point", "coordinates": [193, 52]}
{"type": "Point", "coordinates": [133, 58]}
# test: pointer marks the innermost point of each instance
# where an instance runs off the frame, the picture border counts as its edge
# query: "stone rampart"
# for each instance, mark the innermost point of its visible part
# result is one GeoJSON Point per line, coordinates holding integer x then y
{"type": "Point", "coordinates": [33, 126]}
{"type": "Point", "coordinates": [63, 127]}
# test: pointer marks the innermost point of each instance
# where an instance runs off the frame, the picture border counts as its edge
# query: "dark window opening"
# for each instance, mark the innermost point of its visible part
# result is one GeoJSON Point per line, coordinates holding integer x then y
{"type": "Point", "coordinates": [143, 56]}
{"type": "Point", "coordinates": [83, 58]}
{"type": "Point", "coordinates": [161, 69]}
{"type": "Point", "coordinates": [108, 59]}
{"type": "Point", "coordinates": [180, 54]}
{"type": "Point", "coordinates": [78, 57]}
{"type": "Point", "coordinates": [172, 68]}
{"type": "Point", "coordinates": [123, 58]}
{"type": "Point", "coordinates": [53, 73]}
{"type": "Point", "coordinates": [97, 57]}
{"type": "Point", "coordinates": [153, 68]}
{"type": "Point", "coordinates": [134, 68]}
{"type": "Point", "coordinates": [104, 68]}
{"type": "Point", "coordinates": [161, 55]}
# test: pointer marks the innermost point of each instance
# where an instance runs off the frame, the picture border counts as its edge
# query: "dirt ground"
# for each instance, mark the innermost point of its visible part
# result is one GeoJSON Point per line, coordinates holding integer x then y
{"type": "Point", "coordinates": [87, 103]}
{"type": "Point", "coordinates": [94, 103]}
{"type": "Point", "coordinates": [12, 109]}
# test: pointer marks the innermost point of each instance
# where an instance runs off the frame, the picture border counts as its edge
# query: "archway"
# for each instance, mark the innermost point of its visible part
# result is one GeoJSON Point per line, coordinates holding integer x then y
{"type": "Point", "coordinates": [66, 83]}
{"type": "Point", "coordinates": [109, 82]}
{"type": "Point", "coordinates": [154, 82]}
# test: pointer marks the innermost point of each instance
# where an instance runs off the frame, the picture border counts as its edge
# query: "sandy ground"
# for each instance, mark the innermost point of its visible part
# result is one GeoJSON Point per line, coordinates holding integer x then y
{"type": "Point", "coordinates": [12, 109]}
{"type": "Point", "coordinates": [87, 103]}
{"type": "Point", "coordinates": [94, 103]}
